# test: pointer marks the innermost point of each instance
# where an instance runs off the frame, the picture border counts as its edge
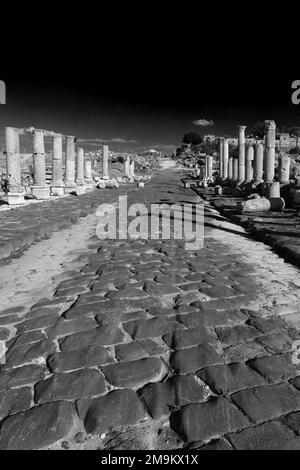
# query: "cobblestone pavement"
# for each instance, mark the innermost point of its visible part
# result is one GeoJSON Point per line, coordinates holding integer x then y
{"type": "Point", "coordinates": [153, 346]}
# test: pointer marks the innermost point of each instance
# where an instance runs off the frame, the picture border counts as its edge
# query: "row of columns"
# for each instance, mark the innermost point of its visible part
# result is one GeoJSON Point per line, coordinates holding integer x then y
{"type": "Point", "coordinates": [76, 166]}
{"type": "Point", "coordinates": [254, 162]}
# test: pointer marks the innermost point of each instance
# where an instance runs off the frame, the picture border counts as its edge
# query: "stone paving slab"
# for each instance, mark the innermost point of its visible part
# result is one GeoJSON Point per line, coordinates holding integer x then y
{"type": "Point", "coordinates": [202, 372]}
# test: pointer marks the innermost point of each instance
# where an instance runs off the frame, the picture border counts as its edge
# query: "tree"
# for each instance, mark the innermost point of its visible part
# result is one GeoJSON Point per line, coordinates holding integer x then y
{"type": "Point", "coordinates": [192, 138]}
{"type": "Point", "coordinates": [295, 151]}
{"type": "Point", "coordinates": [259, 130]}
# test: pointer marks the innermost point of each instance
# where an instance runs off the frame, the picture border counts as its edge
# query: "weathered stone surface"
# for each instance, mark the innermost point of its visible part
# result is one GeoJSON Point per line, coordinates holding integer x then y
{"type": "Point", "coordinates": [223, 379]}
{"type": "Point", "coordinates": [180, 339]}
{"type": "Point", "coordinates": [267, 436]}
{"type": "Point", "coordinates": [27, 338]}
{"type": "Point", "coordinates": [177, 391]}
{"type": "Point", "coordinates": [4, 333]}
{"type": "Point", "coordinates": [218, 292]}
{"type": "Point", "coordinates": [141, 329]}
{"type": "Point", "coordinates": [91, 356]}
{"type": "Point", "coordinates": [85, 308]}
{"type": "Point", "coordinates": [118, 408]}
{"type": "Point", "coordinates": [237, 334]}
{"type": "Point", "coordinates": [82, 383]}
{"type": "Point", "coordinates": [293, 421]}
{"type": "Point", "coordinates": [218, 444]}
{"type": "Point", "coordinates": [129, 293]}
{"type": "Point", "coordinates": [206, 420]}
{"type": "Point", "coordinates": [268, 325]}
{"type": "Point", "coordinates": [276, 342]}
{"type": "Point", "coordinates": [14, 401]}
{"type": "Point", "coordinates": [135, 374]}
{"type": "Point", "coordinates": [211, 318]}
{"type": "Point", "coordinates": [189, 360]}
{"type": "Point", "coordinates": [103, 335]}
{"type": "Point", "coordinates": [275, 368]}
{"type": "Point", "coordinates": [69, 327]}
{"type": "Point", "coordinates": [37, 323]}
{"type": "Point", "coordinates": [9, 319]}
{"type": "Point", "coordinates": [18, 356]}
{"type": "Point", "coordinates": [138, 349]}
{"type": "Point", "coordinates": [244, 351]}
{"type": "Point", "coordinates": [159, 311]}
{"type": "Point", "coordinates": [106, 318]}
{"type": "Point", "coordinates": [160, 289]}
{"type": "Point", "coordinates": [38, 427]}
{"type": "Point", "coordinates": [265, 403]}
{"type": "Point", "coordinates": [21, 376]}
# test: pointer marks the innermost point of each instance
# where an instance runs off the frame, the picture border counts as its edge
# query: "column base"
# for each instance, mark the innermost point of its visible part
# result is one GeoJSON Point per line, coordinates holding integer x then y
{"type": "Point", "coordinates": [57, 191]}
{"type": "Point", "coordinates": [40, 192]}
{"type": "Point", "coordinates": [89, 185]}
{"type": "Point", "coordinates": [14, 199]}
{"type": "Point", "coordinates": [79, 190]}
{"type": "Point", "coordinates": [70, 187]}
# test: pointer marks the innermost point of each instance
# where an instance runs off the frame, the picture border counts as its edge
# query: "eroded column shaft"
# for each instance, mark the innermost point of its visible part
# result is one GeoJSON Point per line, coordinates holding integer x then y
{"type": "Point", "coordinates": [269, 162]}
{"type": "Point", "coordinates": [225, 158]}
{"type": "Point", "coordinates": [258, 166]}
{"type": "Point", "coordinates": [284, 170]}
{"type": "Point", "coordinates": [249, 160]}
{"type": "Point", "coordinates": [241, 155]}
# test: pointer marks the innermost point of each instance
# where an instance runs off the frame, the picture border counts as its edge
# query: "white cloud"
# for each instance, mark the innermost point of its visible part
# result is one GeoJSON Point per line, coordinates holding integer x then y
{"type": "Point", "coordinates": [118, 140]}
{"type": "Point", "coordinates": [203, 122]}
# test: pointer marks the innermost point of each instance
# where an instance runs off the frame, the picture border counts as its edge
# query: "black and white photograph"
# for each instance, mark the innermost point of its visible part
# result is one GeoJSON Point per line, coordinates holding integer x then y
{"type": "Point", "coordinates": [149, 246]}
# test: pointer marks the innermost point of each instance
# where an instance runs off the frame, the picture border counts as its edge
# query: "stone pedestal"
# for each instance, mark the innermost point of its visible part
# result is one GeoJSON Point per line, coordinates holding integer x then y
{"type": "Point", "coordinates": [57, 184]}
{"type": "Point", "coordinates": [105, 162]}
{"type": "Point", "coordinates": [249, 160]}
{"type": "Point", "coordinates": [221, 158]}
{"type": "Point", "coordinates": [258, 165]}
{"type": "Point", "coordinates": [15, 191]}
{"type": "Point", "coordinates": [39, 190]}
{"type": "Point", "coordinates": [272, 190]}
{"type": "Point", "coordinates": [284, 170]}
{"type": "Point", "coordinates": [269, 159]}
{"type": "Point", "coordinates": [241, 156]}
{"type": "Point", "coordinates": [225, 159]}
{"type": "Point", "coordinates": [70, 184]}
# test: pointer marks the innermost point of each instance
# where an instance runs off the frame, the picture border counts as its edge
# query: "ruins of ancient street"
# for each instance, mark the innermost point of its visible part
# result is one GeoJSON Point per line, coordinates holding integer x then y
{"type": "Point", "coordinates": [117, 337]}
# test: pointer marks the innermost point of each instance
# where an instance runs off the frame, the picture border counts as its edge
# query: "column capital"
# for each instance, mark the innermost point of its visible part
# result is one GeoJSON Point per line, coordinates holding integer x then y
{"type": "Point", "coordinates": [242, 128]}
{"type": "Point", "coordinates": [270, 125]}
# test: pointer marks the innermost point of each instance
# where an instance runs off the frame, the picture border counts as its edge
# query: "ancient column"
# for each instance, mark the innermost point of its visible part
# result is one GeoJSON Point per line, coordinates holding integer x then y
{"type": "Point", "coordinates": [132, 169]}
{"type": "Point", "coordinates": [241, 157]}
{"type": "Point", "coordinates": [80, 172]}
{"type": "Point", "coordinates": [88, 173]}
{"type": "Point", "coordinates": [221, 158]}
{"type": "Point", "coordinates": [284, 170]}
{"type": "Point", "coordinates": [235, 169]}
{"type": "Point", "coordinates": [209, 167]}
{"type": "Point", "coordinates": [230, 168]}
{"type": "Point", "coordinates": [225, 159]}
{"type": "Point", "coordinates": [15, 191]}
{"type": "Point", "coordinates": [258, 167]}
{"type": "Point", "coordinates": [249, 160]}
{"type": "Point", "coordinates": [269, 159]}
{"type": "Point", "coordinates": [40, 190]}
{"type": "Point", "coordinates": [57, 185]}
{"type": "Point", "coordinates": [70, 184]}
{"type": "Point", "coordinates": [127, 167]}
{"type": "Point", "coordinates": [105, 162]}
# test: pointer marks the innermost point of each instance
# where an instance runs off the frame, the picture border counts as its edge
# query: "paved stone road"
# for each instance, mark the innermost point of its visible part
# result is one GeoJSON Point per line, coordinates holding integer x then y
{"type": "Point", "coordinates": [153, 346]}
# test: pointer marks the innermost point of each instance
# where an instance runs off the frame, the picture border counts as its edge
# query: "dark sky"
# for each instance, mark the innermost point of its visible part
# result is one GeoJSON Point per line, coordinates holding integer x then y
{"type": "Point", "coordinates": [138, 86]}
